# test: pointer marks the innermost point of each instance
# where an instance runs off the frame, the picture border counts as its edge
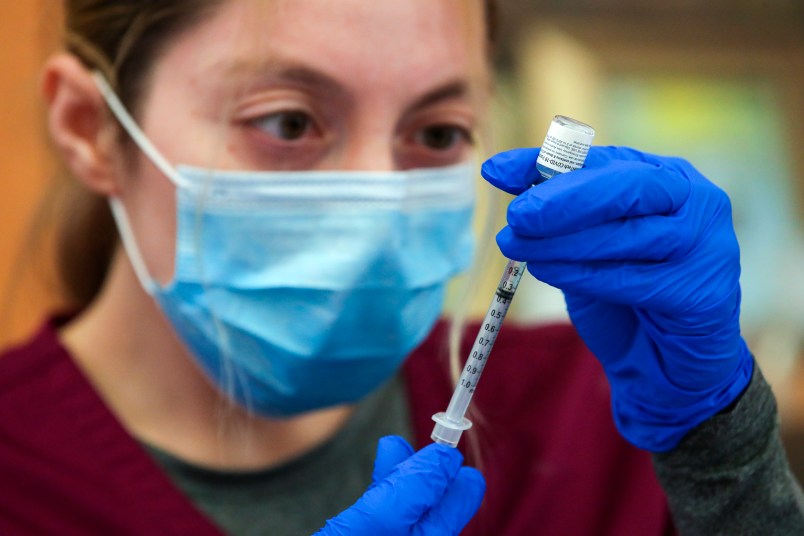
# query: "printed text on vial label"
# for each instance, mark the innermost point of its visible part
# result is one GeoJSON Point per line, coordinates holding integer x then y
{"type": "Point", "coordinates": [562, 154]}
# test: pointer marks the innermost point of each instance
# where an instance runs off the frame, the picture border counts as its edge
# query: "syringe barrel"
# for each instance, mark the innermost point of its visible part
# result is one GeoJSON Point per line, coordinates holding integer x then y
{"type": "Point", "coordinates": [487, 335]}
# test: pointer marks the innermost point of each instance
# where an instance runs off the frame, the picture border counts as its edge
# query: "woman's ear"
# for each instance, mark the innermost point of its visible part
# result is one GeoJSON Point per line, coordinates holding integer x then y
{"type": "Point", "coordinates": [80, 125]}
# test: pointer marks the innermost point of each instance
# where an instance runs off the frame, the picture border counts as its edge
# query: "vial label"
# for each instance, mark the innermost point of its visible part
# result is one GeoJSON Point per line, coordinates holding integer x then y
{"type": "Point", "coordinates": [564, 149]}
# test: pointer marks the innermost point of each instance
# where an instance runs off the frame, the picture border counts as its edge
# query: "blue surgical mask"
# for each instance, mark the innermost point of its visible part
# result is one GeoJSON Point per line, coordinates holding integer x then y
{"type": "Point", "coordinates": [301, 290]}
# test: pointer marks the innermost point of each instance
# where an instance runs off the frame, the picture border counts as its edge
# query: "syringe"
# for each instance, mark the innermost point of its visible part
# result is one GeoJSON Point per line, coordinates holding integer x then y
{"type": "Point", "coordinates": [564, 149]}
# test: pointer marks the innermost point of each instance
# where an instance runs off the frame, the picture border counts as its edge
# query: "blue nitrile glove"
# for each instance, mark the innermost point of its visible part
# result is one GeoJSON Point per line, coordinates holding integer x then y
{"type": "Point", "coordinates": [644, 250]}
{"type": "Point", "coordinates": [422, 493]}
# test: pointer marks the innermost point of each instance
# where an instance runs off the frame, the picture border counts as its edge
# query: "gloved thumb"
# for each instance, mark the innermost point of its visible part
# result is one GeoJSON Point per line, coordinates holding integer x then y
{"type": "Point", "coordinates": [512, 171]}
{"type": "Point", "coordinates": [391, 451]}
{"type": "Point", "coordinates": [458, 506]}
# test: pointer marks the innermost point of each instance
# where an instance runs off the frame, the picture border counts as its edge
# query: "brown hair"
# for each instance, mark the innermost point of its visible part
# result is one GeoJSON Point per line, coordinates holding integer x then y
{"type": "Point", "coordinates": [122, 39]}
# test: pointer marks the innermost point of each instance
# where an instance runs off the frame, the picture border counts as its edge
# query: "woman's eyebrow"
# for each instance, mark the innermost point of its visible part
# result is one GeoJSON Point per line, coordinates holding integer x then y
{"type": "Point", "coordinates": [454, 89]}
{"type": "Point", "coordinates": [305, 76]}
{"type": "Point", "coordinates": [288, 72]}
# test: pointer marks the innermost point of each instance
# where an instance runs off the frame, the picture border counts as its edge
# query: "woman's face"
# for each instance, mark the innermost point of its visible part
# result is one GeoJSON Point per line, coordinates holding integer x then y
{"type": "Point", "coordinates": [309, 84]}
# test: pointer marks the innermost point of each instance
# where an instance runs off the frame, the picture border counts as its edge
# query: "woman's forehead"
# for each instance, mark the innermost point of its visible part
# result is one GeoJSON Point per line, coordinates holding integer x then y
{"type": "Point", "coordinates": [371, 43]}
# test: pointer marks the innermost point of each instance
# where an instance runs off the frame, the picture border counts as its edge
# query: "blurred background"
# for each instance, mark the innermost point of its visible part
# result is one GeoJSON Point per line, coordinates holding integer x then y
{"type": "Point", "coordinates": [719, 82]}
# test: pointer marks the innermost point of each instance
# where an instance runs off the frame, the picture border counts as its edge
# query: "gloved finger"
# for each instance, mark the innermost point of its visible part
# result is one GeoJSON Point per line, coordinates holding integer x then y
{"type": "Point", "coordinates": [459, 505]}
{"type": "Point", "coordinates": [512, 171]}
{"type": "Point", "coordinates": [590, 196]}
{"type": "Point", "coordinates": [646, 238]}
{"type": "Point", "coordinates": [417, 484]}
{"type": "Point", "coordinates": [515, 171]}
{"type": "Point", "coordinates": [391, 451]}
{"type": "Point", "coordinates": [686, 286]}
{"type": "Point", "coordinates": [599, 156]}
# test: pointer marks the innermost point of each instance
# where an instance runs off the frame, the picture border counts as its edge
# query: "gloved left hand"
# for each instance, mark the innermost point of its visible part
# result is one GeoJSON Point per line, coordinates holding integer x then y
{"type": "Point", "coordinates": [643, 248]}
{"type": "Point", "coordinates": [413, 494]}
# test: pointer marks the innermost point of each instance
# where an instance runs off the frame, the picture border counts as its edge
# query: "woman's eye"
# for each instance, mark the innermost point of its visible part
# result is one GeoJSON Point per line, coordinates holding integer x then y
{"type": "Point", "coordinates": [442, 137]}
{"type": "Point", "coordinates": [287, 126]}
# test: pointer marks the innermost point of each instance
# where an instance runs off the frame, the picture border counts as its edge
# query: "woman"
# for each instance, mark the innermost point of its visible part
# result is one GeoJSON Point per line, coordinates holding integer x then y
{"type": "Point", "coordinates": [279, 172]}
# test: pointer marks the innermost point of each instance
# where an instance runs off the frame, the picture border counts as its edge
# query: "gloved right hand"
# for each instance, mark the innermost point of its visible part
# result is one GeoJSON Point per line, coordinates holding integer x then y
{"type": "Point", "coordinates": [422, 493]}
{"type": "Point", "coordinates": [644, 250]}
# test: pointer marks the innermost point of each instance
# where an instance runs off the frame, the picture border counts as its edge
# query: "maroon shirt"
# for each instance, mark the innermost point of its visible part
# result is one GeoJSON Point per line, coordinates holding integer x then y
{"type": "Point", "coordinates": [553, 461]}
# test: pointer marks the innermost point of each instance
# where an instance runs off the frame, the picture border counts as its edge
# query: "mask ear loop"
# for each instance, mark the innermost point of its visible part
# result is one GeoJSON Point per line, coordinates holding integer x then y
{"type": "Point", "coordinates": [116, 205]}
{"type": "Point", "coordinates": [130, 245]}
{"type": "Point", "coordinates": [133, 129]}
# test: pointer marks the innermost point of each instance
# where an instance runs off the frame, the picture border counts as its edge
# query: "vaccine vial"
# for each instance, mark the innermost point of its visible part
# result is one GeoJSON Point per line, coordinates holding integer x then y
{"type": "Point", "coordinates": [565, 147]}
